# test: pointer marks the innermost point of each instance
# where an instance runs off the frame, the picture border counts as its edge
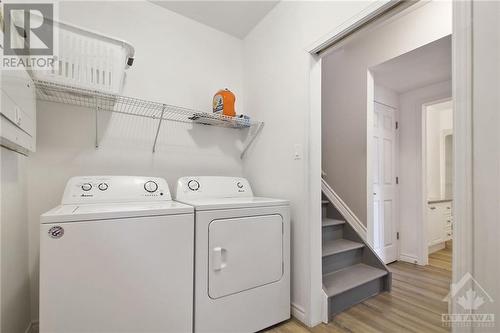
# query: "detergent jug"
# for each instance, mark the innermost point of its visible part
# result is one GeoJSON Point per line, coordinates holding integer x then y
{"type": "Point", "coordinates": [224, 103]}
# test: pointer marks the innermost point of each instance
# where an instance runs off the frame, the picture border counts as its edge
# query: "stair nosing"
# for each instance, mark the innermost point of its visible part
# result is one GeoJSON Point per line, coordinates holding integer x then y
{"type": "Point", "coordinates": [377, 273]}
{"type": "Point", "coordinates": [331, 223]}
{"type": "Point", "coordinates": [353, 246]}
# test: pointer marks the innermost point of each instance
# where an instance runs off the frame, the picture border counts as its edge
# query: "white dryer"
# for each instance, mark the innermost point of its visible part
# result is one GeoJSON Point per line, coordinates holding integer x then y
{"type": "Point", "coordinates": [242, 255]}
{"type": "Point", "coordinates": [116, 256]}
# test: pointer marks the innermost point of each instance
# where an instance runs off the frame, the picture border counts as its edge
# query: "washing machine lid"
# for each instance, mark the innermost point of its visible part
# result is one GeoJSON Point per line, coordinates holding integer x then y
{"type": "Point", "coordinates": [234, 203]}
{"type": "Point", "coordinates": [99, 211]}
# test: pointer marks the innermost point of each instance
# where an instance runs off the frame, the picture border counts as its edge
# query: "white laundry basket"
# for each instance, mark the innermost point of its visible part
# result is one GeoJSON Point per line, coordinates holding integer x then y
{"type": "Point", "coordinates": [87, 59]}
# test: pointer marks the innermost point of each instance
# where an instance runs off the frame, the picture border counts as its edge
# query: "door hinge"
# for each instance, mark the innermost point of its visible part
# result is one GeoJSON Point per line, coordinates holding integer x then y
{"type": "Point", "coordinates": [397, 124]}
{"type": "Point", "coordinates": [397, 180]}
{"type": "Point", "coordinates": [397, 235]}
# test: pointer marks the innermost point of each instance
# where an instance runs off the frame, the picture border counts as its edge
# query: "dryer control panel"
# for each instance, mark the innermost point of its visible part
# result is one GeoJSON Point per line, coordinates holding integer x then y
{"type": "Point", "coordinates": [102, 189]}
{"type": "Point", "coordinates": [212, 187]}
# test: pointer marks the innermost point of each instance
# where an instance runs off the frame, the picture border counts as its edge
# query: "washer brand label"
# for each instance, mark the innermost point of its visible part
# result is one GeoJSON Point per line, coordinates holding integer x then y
{"type": "Point", "coordinates": [56, 232]}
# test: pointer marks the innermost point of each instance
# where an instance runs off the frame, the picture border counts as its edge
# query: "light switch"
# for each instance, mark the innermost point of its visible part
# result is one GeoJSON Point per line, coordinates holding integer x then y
{"type": "Point", "coordinates": [297, 151]}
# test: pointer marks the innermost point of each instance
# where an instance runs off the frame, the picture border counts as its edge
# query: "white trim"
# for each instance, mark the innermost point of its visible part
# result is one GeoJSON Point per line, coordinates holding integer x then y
{"type": "Point", "coordinates": [324, 308]}
{"type": "Point", "coordinates": [436, 247]}
{"type": "Point", "coordinates": [298, 312]}
{"type": "Point", "coordinates": [370, 111]}
{"type": "Point", "coordinates": [351, 25]}
{"type": "Point", "coordinates": [344, 210]}
{"type": "Point", "coordinates": [408, 258]}
{"type": "Point", "coordinates": [314, 300]}
{"type": "Point", "coordinates": [463, 231]}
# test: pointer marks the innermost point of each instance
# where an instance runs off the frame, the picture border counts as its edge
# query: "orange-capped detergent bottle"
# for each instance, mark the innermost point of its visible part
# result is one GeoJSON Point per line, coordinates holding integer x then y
{"type": "Point", "coordinates": [224, 103]}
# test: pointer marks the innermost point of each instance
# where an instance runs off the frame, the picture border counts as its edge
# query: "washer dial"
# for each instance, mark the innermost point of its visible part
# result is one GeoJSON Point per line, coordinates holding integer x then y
{"type": "Point", "coordinates": [87, 187]}
{"type": "Point", "coordinates": [103, 186]}
{"type": "Point", "coordinates": [150, 186]}
{"type": "Point", "coordinates": [193, 185]}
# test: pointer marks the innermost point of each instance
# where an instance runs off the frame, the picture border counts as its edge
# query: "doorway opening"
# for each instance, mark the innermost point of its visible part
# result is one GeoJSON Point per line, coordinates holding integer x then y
{"type": "Point", "coordinates": [411, 149]}
{"type": "Point", "coordinates": [374, 90]}
{"type": "Point", "coordinates": [437, 163]}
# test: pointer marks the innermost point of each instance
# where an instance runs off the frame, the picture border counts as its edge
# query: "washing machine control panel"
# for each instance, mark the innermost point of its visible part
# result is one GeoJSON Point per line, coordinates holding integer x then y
{"type": "Point", "coordinates": [102, 189]}
{"type": "Point", "coordinates": [212, 187]}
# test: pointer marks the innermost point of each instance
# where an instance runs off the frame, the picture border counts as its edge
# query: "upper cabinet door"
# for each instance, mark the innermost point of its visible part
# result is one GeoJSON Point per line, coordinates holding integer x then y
{"type": "Point", "coordinates": [18, 110]}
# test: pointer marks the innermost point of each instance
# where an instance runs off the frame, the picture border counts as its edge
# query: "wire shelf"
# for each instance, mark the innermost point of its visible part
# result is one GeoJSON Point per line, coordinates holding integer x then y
{"type": "Point", "coordinates": [102, 101]}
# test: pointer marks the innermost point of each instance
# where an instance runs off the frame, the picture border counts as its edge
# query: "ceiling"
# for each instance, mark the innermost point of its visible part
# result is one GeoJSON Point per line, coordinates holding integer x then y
{"type": "Point", "coordinates": [428, 64]}
{"type": "Point", "coordinates": [236, 18]}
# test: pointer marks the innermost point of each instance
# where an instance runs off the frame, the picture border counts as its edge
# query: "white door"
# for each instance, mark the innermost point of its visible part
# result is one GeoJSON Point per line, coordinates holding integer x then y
{"type": "Point", "coordinates": [245, 253]}
{"type": "Point", "coordinates": [385, 223]}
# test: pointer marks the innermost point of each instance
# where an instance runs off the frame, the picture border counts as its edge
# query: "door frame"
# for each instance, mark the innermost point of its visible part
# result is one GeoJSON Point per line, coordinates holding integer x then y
{"type": "Point", "coordinates": [424, 226]}
{"type": "Point", "coordinates": [462, 124]}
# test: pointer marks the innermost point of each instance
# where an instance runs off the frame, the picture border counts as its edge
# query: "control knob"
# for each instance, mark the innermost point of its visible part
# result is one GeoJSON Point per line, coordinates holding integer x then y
{"type": "Point", "coordinates": [87, 187]}
{"type": "Point", "coordinates": [150, 186]}
{"type": "Point", "coordinates": [193, 185]}
{"type": "Point", "coordinates": [103, 186]}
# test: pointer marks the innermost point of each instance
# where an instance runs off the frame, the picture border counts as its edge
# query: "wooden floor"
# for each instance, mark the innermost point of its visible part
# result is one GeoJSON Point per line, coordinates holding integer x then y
{"type": "Point", "coordinates": [414, 304]}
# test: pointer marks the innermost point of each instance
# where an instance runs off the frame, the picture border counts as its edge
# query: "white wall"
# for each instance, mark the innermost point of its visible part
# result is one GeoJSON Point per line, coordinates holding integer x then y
{"type": "Point", "coordinates": [346, 156]}
{"type": "Point", "coordinates": [277, 91]}
{"type": "Point", "coordinates": [486, 152]}
{"type": "Point", "coordinates": [14, 261]}
{"type": "Point", "coordinates": [385, 96]}
{"type": "Point", "coordinates": [178, 61]}
{"type": "Point", "coordinates": [411, 168]}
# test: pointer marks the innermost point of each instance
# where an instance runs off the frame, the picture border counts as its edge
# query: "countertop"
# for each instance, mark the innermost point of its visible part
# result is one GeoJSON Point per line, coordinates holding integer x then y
{"type": "Point", "coordinates": [438, 200]}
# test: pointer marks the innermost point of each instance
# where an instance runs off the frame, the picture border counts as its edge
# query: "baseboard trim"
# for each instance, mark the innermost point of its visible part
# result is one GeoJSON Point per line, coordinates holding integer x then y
{"type": "Point", "coordinates": [324, 307]}
{"type": "Point", "coordinates": [408, 258]}
{"type": "Point", "coordinates": [32, 327]}
{"type": "Point", "coordinates": [299, 313]}
{"type": "Point", "coordinates": [436, 247]}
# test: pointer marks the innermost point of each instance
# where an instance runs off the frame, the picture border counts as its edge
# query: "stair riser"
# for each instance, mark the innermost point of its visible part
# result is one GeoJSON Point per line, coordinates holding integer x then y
{"type": "Point", "coordinates": [354, 296]}
{"type": "Point", "coordinates": [342, 260]}
{"type": "Point", "coordinates": [333, 232]}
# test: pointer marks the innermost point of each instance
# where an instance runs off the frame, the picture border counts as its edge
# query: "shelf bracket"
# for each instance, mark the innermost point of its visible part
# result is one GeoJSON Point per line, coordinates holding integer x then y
{"type": "Point", "coordinates": [252, 139]}
{"type": "Point", "coordinates": [158, 129]}
{"type": "Point", "coordinates": [97, 127]}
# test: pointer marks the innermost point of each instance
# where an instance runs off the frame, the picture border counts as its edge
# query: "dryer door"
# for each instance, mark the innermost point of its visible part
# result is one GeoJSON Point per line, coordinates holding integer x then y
{"type": "Point", "coordinates": [244, 253]}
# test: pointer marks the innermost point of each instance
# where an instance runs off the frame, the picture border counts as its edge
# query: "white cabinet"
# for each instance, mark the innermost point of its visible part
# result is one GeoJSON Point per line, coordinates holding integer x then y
{"type": "Point", "coordinates": [18, 111]}
{"type": "Point", "coordinates": [439, 222]}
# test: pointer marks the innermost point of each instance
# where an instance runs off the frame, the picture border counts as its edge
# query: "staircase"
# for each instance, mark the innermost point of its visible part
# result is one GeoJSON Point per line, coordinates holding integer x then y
{"type": "Point", "coordinates": [352, 272]}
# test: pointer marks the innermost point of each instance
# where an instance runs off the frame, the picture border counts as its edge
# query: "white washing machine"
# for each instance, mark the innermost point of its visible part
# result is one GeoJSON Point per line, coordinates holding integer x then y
{"type": "Point", "coordinates": [242, 255]}
{"type": "Point", "coordinates": [116, 256]}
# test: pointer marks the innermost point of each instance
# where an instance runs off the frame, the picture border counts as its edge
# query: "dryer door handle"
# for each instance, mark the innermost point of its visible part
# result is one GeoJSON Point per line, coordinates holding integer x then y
{"type": "Point", "coordinates": [219, 256]}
